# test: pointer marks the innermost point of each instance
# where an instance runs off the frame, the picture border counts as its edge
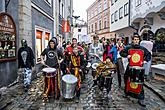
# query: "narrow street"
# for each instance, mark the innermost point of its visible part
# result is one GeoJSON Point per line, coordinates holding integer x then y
{"type": "Point", "coordinates": [91, 99]}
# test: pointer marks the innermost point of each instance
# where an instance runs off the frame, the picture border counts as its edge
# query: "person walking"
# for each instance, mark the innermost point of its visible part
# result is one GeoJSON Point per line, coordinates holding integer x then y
{"type": "Point", "coordinates": [137, 55]}
{"type": "Point", "coordinates": [26, 62]}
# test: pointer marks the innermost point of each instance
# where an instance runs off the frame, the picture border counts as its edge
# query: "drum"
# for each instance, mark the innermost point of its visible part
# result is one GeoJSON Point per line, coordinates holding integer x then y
{"type": "Point", "coordinates": [136, 74]}
{"type": "Point", "coordinates": [94, 65]}
{"type": "Point", "coordinates": [69, 84]}
{"type": "Point", "coordinates": [51, 82]}
{"type": "Point", "coordinates": [50, 72]}
{"type": "Point", "coordinates": [136, 57]}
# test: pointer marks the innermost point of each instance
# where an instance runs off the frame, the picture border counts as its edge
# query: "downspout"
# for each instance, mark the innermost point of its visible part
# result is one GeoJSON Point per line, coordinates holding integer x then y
{"type": "Point", "coordinates": [6, 4]}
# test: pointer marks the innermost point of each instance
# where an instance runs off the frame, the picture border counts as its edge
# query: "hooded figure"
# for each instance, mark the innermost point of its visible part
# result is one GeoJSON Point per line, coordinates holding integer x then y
{"type": "Point", "coordinates": [26, 61]}
{"type": "Point", "coordinates": [52, 54]}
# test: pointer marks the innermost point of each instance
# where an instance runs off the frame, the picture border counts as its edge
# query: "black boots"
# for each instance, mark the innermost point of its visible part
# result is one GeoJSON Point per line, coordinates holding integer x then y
{"type": "Point", "coordinates": [141, 103]}
{"type": "Point", "coordinates": [77, 96]}
{"type": "Point", "coordinates": [94, 82]}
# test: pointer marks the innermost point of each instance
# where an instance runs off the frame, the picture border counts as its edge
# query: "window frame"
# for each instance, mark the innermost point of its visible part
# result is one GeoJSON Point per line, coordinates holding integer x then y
{"type": "Point", "coordinates": [112, 18]}
{"type": "Point", "coordinates": [48, 2]}
{"type": "Point", "coordinates": [126, 9]}
{"type": "Point", "coordinates": [138, 3]}
{"type": "Point", "coordinates": [99, 24]}
{"type": "Point", "coordinates": [115, 16]}
{"type": "Point", "coordinates": [121, 12]}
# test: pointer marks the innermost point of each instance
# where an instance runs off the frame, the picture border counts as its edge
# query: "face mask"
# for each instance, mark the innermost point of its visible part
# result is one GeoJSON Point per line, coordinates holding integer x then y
{"type": "Point", "coordinates": [24, 43]}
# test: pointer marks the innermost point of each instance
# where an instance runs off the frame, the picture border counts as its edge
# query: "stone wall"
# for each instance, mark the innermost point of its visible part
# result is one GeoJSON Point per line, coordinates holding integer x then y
{"type": "Point", "coordinates": [25, 21]}
{"type": "Point", "coordinates": [158, 58]}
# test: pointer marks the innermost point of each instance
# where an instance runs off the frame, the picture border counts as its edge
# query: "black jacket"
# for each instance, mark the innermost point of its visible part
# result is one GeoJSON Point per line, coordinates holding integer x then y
{"type": "Point", "coordinates": [25, 57]}
{"type": "Point", "coordinates": [147, 54]}
{"type": "Point", "coordinates": [52, 55]}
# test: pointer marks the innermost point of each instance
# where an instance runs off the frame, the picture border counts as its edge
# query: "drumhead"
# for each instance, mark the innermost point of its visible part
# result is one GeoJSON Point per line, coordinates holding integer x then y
{"type": "Point", "coordinates": [69, 78]}
{"type": "Point", "coordinates": [137, 67]}
{"type": "Point", "coordinates": [94, 65]}
{"type": "Point", "coordinates": [88, 65]}
{"type": "Point", "coordinates": [49, 70]}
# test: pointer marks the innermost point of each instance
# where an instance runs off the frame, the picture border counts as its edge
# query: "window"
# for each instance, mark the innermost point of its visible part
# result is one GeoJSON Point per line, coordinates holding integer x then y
{"type": "Point", "coordinates": [100, 25]}
{"type": "Point", "coordinates": [121, 13]}
{"type": "Point", "coordinates": [126, 9]}
{"type": "Point", "coordinates": [92, 27]}
{"type": "Point", "coordinates": [47, 36]}
{"type": "Point", "coordinates": [42, 39]}
{"type": "Point", "coordinates": [49, 2]}
{"type": "Point", "coordinates": [99, 7]}
{"type": "Point", "coordinates": [105, 23]}
{"type": "Point", "coordinates": [96, 26]}
{"type": "Point", "coordinates": [112, 18]}
{"type": "Point", "coordinates": [89, 16]}
{"type": "Point", "coordinates": [105, 4]}
{"type": "Point", "coordinates": [79, 30]}
{"type": "Point", "coordinates": [89, 29]}
{"type": "Point", "coordinates": [95, 10]}
{"type": "Point", "coordinates": [112, 2]}
{"type": "Point", "coordinates": [137, 3]}
{"type": "Point", "coordinates": [38, 44]}
{"type": "Point", "coordinates": [116, 16]}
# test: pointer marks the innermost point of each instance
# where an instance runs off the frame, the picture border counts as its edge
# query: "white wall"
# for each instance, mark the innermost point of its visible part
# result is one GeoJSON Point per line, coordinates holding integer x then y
{"type": "Point", "coordinates": [145, 8]}
{"type": "Point", "coordinates": [157, 24]}
{"type": "Point", "coordinates": [80, 34]}
{"type": "Point", "coordinates": [120, 23]}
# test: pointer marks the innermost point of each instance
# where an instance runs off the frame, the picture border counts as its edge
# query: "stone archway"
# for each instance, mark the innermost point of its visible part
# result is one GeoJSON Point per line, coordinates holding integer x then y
{"type": "Point", "coordinates": [146, 33]}
{"type": "Point", "coordinates": [160, 40]}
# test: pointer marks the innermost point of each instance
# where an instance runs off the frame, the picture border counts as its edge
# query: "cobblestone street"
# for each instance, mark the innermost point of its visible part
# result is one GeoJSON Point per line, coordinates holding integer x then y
{"type": "Point", "coordinates": [91, 99]}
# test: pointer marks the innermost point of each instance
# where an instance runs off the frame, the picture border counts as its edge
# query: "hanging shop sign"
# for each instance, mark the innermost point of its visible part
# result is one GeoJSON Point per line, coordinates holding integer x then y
{"type": "Point", "coordinates": [7, 38]}
{"type": "Point", "coordinates": [65, 26]}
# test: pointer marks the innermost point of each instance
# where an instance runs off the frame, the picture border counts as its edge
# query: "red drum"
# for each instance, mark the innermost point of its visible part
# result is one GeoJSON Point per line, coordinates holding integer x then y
{"type": "Point", "coordinates": [136, 57]}
{"type": "Point", "coordinates": [51, 82]}
{"type": "Point", "coordinates": [135, 80]}
{"type": "Point", "coordinates": [136, 74]}
{"type": "Point", "coordinates": [133, 87]}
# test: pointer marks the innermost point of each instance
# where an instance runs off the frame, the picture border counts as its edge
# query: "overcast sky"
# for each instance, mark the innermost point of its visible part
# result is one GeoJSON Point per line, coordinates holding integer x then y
{"type": "Point", "coordinates": [80, 7]}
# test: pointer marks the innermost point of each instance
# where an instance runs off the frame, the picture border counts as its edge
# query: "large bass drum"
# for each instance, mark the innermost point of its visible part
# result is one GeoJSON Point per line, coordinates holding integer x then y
{"type": "Point", "coordinates": [136, 74]}
{"type": "Point", "coordinates": [69, 84]}
{"type": "Point", "coordinates": [50, 84]}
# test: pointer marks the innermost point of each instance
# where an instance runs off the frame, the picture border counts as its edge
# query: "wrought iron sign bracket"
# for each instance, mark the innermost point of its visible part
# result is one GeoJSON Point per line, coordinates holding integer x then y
{"type": "Point", "coordinates": [6, 4]}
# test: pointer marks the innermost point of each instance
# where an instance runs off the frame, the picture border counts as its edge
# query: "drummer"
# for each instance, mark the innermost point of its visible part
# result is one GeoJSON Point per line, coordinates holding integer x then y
{"type": "Point", "coordinates": [74, 65]}
{"type": "Point", "coordinates": [103, 65]}
{"type": "Point", "coordinates": [146, 57]}
{"type": "Point", "coordinates": [52, 54]}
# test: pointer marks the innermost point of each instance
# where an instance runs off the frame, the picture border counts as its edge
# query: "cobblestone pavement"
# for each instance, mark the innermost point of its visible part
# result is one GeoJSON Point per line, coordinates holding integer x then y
{"type": "Point", "coordinates": [91, 99]}
{"type": "Point", "coordinates": [157, 84]}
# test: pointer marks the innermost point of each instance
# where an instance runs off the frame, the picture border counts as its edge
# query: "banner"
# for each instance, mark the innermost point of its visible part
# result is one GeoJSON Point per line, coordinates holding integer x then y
{"type": "Point", "coordinates": [65, 26]}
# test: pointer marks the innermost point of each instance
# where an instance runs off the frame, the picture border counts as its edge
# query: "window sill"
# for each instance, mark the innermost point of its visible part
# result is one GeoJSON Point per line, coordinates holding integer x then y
{"type": "Point", "coordinates": [7, 59]}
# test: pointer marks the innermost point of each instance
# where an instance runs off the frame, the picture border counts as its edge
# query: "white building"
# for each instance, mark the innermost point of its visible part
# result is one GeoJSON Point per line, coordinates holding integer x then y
{"type": "Point", "coordinates": [148, 16]}
{"type": "Point", "coordinates": [80, 32]}
{"type": "Point", "coordinates": [119, 23]}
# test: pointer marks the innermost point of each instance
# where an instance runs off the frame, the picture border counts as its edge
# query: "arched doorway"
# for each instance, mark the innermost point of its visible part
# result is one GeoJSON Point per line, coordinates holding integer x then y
{"type": "Point", "coordinates": [146, 33]}
{"type": "Point", "coordinates": [160, 40]}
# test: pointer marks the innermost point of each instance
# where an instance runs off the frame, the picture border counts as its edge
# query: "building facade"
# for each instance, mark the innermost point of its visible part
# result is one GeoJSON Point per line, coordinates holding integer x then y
{"type": "Point", "coordinates": [36, 21]}
{"type": "Point", "coordinates": [148, 16]}
{"type": "Point", "coordinates": [119, 22]}
{"type": "Point", "coordinates": [98, 18]}
{"type": "Point", "coordinates": [64, 12]}
{"type": "Point", "coordinates": [80, 33]}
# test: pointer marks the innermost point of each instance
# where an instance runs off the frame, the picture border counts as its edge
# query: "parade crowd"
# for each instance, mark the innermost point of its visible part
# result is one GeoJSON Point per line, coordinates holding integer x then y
{"type": "Point", "coordinates": [104, 57]}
